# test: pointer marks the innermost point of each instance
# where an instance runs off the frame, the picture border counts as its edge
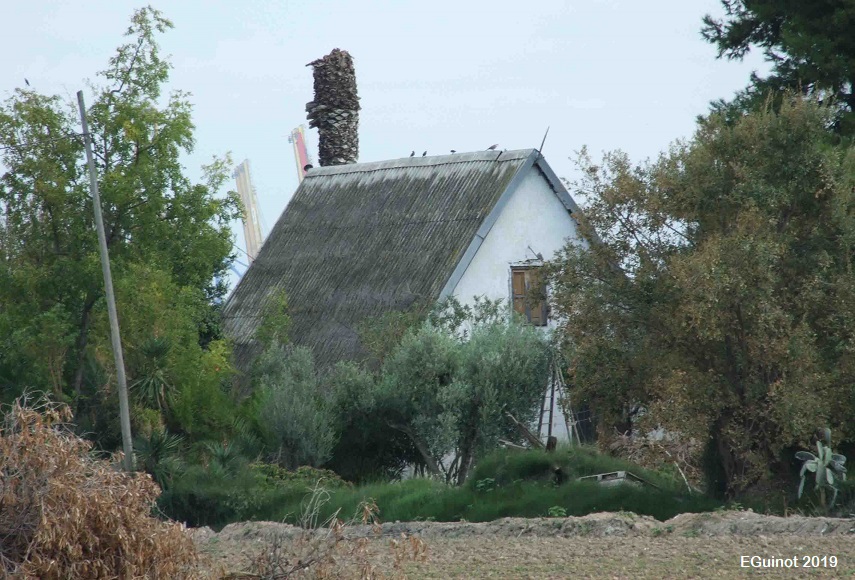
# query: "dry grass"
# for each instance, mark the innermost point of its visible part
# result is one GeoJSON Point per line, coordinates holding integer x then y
{"type": "Point", "coordinates": [65, 514]}
{"type": "Point", "coordinates": [323, 550]}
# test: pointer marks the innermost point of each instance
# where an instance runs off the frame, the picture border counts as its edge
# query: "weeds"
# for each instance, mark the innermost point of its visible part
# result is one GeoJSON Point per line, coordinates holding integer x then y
{"type": "Point", "coordinates": [322, 548]}
{"type": "Point", "coordinates": [556, 511]}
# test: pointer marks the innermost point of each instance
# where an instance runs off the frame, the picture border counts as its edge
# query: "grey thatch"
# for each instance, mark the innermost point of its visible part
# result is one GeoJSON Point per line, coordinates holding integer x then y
{"type": "Point", "coordinates": [357, 241]}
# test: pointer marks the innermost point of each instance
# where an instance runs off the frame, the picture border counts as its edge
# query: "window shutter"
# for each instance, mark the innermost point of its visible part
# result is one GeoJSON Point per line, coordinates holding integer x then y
{"type": "Point", "coordinates": [518, 283]}
{"type": "Point", "coordinates": [538, 309]}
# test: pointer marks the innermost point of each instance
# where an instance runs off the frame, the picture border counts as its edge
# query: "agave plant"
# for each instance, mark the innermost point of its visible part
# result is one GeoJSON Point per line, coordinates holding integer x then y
{"type": "Point", "coordinates": [825, 465]}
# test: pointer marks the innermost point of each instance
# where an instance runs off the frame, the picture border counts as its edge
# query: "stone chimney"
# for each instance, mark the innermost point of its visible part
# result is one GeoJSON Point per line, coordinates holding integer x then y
{"type": "Point", "coordinates": [335, 110]}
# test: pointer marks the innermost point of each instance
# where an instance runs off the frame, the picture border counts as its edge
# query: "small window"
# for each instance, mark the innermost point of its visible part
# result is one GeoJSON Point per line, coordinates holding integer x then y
{"type": "Point", "coordinates": [525, 281]}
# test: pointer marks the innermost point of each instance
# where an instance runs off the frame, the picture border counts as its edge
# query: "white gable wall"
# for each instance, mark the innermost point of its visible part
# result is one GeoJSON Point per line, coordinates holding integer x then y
{"type": "Point", "coordinates": [533, 221]}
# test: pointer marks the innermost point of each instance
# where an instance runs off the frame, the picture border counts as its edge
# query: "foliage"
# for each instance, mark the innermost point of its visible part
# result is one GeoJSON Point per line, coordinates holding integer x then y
{"type": "Point", "coordinates": [382, 334]}
{"type": "Point", "coordinates": [223, 488]}
{"type": "Point", "coordinates": [275, 321]}
{"type": "Point", "coordinates": [505, 467]}
{"type": "Point", "coordinates": [153, 388]}
{"type": "Point", "coordinates": [824, 464]}
{"type": "Point", "coordinates": [169, 241]}
{"type": "Point", "coordinates": [448, 391]}
{"type": "Point", "coordinates": [212, 496]}
{"type": "Point", "coordinates": [303, 476]}
{"type": "Point", "coordinates": [556, 511]}
{"type": "Point", "coordinates": [367, 449]}
{"type": "Point", "coordinates": [64, 514]}
{"type": "Point", "coordinates": [159, 454]}
{"type": "Point", "coordinates": [512, 494]}
{"type": "Point", "coordinates": [716, 299]}
{"type": "Point", "coordinates": [809, 45]}
{"type": "Point", "coordinates": [295, 416]}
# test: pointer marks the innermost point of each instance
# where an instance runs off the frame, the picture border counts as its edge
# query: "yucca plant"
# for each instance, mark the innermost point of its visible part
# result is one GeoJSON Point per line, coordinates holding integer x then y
{"type": "Point", "coordinates": [825, 465]}
{"type": "Point", "coordinates": [153, 388]}
{"type": "Point", "coordinates": [159, 454]}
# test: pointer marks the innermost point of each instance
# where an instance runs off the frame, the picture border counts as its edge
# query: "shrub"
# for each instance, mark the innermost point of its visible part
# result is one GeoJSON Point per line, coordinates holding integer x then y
{"type": "Point", "coordinates": [65, 514]}
{"type": "Point", "coordinates": [367, 449]}
{"type": "Point", "coordinates": [276, 476]}
{"type": "Point", "coordinates": [296, 416]}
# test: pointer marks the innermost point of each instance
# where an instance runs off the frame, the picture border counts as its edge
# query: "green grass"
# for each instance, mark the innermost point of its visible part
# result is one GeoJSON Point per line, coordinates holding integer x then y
{"type": "Point", "coordinates": [579, 461]}
{"type": "Point", "coordinates": [504, 484]}
{"type": "Point", "coordinates": [421, 499]}
{"type": "Point", "coordinates": [514, 484]}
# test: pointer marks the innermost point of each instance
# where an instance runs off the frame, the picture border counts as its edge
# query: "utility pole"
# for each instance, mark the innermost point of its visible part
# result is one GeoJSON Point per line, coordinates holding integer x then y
{"type": "Point", "coordinates": [124, 412]}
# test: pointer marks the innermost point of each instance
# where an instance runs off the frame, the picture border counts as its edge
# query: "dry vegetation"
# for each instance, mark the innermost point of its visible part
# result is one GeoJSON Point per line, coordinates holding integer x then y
{"type": "Point", "coordinates": [323, 551]}
{"type": "Point", "coordinates": [65, 514]}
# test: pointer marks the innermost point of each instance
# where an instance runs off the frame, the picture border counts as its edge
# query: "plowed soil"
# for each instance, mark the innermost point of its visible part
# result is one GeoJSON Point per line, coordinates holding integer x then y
{"type": "Point", "coordinates": [605, 545]}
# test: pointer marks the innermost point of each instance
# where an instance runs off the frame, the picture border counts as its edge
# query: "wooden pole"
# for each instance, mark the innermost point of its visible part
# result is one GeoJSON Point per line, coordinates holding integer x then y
{"type": "Point", "coordinates": [124, 412]}
{"type": "Point", "coordinates": [551, 402]}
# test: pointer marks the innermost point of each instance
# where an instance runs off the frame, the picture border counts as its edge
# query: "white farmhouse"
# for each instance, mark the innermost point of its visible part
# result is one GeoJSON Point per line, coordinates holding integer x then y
{"type": "Point", "coordinates": [359, 240]}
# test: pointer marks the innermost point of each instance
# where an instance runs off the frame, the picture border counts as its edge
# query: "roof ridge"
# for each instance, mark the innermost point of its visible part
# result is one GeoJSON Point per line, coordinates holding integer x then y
{"type": "Point", "coordinates": [419, 161]}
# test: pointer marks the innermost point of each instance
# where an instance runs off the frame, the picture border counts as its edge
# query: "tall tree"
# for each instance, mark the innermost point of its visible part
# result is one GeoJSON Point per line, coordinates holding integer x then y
{"type": "Point", "coordinates": [811, 46]}
{"type": "Point", "coordinates": [718, 299]}
{"type": "Point", "coordinates": [168, 237]}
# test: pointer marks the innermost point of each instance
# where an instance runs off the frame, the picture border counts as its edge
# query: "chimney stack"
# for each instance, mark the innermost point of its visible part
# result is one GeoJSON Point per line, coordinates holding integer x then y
{"type": "Point", "coordinates": [335, 110]}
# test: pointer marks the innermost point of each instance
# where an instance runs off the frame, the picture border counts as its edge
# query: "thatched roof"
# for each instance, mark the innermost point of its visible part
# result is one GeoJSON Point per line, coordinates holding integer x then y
{"type": "Point", "coordinates": [359, 240]}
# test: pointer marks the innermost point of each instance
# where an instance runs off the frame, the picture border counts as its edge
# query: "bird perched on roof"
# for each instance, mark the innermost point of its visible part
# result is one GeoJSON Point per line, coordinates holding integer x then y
{"type": "Point", "coordinates": [492, 147]}
{"type": "Point", "coordinates": [307, 166]}
{"type": "Point", "coordinates": [413, 154]}
{"type": "Point", "coordinates": [453, 151]}
{"type": "Point", "coordinates": [425, 153]}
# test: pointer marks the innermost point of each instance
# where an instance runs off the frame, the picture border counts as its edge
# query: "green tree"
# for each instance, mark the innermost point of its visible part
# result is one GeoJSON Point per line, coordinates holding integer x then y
{"type": "Point", "coordinates": [295, 415]}
{"type": "Point", "coordinates": [448, 390]}
{"type": "Point", "coordinates": [810, 46]}
{"type": "Point", "coordinates": [717, 296]}
{"type": "Point", "coordinates": [367, 449]}
{"type": "Point", "coordinates": [168, 237]}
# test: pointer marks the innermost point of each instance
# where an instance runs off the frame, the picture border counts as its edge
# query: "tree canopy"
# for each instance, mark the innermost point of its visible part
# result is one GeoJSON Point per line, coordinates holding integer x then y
{"type": "Point", "coordinates": [168, 237]}
{"type": "Point", "coordinates": [718, 299]}
{"type": "Point", "coordinates": [810, 46]}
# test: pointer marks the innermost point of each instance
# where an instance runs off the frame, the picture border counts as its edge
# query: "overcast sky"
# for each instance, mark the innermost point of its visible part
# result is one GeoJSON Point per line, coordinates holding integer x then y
{"type": "Point", "coordinates": [432, 75]}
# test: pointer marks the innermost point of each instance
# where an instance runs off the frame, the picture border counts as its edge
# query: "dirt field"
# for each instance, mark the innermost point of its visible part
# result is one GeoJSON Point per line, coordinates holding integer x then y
{"type": "Point", "coordinates": [596, 546]}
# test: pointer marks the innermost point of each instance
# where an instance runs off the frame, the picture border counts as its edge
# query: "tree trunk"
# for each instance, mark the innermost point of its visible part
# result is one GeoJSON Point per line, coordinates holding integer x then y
{"type": "Point", "coordinates": [422, 447]}
{"type": "Point", "coordinates": [466, 455]}
{"type": "Point", "coordinates": [80, 346]}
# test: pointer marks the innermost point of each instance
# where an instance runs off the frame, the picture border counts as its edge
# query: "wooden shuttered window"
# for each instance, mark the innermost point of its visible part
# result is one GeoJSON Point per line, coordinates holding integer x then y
{"type": "Point", "coordinates": [524, 281]}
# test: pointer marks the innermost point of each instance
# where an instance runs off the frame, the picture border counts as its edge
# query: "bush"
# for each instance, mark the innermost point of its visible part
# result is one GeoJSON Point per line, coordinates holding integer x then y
{"type": "Point", "coordinates": [65, 514]}
{"type": "Point", "coordinates": [424, 499]}
{"type": "Point", "coordinates": [227, 490]}
{"type": "Point", "coordinates": [275, 476]}
{"type": "Point", "coordinates": [368, 449]}
{"type": "Point", "coordinates": [296, 416]}
{"type": "Point", "coordinates": [516, 484]}
{"type": "Point", "coordinates": [565, 464]}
